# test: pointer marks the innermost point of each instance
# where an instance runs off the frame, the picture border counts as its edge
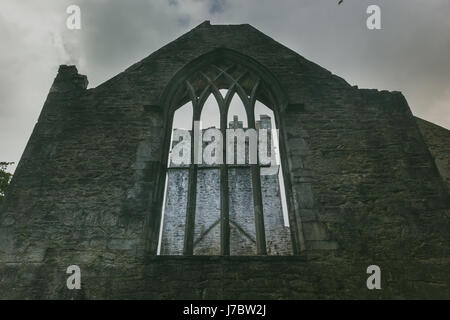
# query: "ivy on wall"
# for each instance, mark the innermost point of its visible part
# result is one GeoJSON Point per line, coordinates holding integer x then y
{"type": "Point", "coordinates": [5, 178]}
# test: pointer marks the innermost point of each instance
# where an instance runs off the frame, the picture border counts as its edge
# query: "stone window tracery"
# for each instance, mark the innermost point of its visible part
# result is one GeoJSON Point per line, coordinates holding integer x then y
{"type": "Point", "coordinates": [224, 209]}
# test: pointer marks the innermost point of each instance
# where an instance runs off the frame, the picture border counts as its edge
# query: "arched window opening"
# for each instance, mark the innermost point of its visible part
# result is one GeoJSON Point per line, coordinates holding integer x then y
{"type": "Point", "coordinates": [276, 220]}
{"type": "Point", "coordinates": [217, 203]}
{"type": "Point", "coordinates": [242, 219]}
{"type": "Point", "coordinates": [207, 211]}
{"type": "Point", "coordinates": [210, 116]}
{"type": "Point", "coordinates": [237, 112]}
{"type": "Point", "coordinates": [175, 189]}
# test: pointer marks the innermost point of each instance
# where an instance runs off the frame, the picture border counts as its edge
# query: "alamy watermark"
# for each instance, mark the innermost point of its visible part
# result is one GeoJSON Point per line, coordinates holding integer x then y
{"type": "Point", "coordinates": [374, 280]}
{"type": "Point", "coordinates": [249, 146]}
{"type": "Point", "coordinates": [373, 22]}
{"type": "Point", "coordinates": [74, 280]}
{"type": "Point", "coordinates": [73, 21]}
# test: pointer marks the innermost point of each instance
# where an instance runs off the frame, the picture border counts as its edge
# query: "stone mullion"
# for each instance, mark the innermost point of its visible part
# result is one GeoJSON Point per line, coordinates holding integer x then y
{"type": "Point", "coordinates": [257, 194]}
{"type": "Point", "coordinates": [192, 188]}
{"type": "Point", "coordinates": [224, 191]}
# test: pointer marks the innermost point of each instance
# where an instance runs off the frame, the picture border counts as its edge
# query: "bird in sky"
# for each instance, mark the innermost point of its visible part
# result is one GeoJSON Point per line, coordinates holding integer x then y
{"type": "Point", "coordinates": [340, 1]}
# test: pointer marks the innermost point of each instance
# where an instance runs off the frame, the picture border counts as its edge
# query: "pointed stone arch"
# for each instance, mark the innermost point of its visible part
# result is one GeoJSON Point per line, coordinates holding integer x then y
{"type": "Point", "coordinates": [243, 76]}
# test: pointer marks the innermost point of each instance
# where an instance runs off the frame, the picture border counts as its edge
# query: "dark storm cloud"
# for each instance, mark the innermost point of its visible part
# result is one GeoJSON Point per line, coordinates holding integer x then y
{"type": "Point", "coordinates": [117, 34]}
{"type": "Point", "coordinates": [410, 53]}
{"type": "Point", "coordinates": [217, 6]}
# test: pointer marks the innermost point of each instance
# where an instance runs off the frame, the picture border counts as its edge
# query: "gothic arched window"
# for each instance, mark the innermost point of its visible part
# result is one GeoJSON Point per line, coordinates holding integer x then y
{"type": "Point", "coordinates": [224, 191]}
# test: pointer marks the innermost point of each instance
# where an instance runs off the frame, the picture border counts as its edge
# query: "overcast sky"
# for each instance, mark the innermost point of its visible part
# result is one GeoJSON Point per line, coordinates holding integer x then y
{"type": "Point", "coordinates": [410, 54]}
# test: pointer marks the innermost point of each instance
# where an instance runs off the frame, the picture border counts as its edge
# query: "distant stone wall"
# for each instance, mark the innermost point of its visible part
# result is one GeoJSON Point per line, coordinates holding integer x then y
{"type": "Point", "coordinates": [207, 213]}
{"type": "Point", "coordinates": [174, 218]}
{"type": "Point", "coordinates": [207, 218]}
{"type": "Point", "coordinates": [278, 236]}
{"type": "Point", "coordinates": [242, 219]}
{"type": "Point", "coordinates": [241, 213]}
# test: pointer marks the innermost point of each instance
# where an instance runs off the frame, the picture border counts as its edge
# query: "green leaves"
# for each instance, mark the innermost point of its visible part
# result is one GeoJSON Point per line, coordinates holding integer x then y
{"type": "Point", "coordinates": [5, 178]}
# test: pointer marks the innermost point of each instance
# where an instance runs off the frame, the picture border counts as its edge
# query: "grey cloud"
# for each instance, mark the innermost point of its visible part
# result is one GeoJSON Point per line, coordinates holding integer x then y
{"type": "Point", "coordinates": [217, 6]}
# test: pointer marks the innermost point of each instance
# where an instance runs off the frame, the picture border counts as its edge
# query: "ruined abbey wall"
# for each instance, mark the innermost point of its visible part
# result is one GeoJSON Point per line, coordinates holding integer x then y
{"type": "Point", "coordinates": [363, 185]}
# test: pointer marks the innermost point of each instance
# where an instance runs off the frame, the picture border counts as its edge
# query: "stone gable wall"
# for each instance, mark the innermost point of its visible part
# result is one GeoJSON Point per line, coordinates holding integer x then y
{"type": "Point", "coordinates": [362, 181]}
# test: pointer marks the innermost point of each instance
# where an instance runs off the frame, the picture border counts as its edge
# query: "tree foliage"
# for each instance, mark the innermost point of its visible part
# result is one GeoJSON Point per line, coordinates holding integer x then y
{"type": "Point", "coordinates": [5, 178]}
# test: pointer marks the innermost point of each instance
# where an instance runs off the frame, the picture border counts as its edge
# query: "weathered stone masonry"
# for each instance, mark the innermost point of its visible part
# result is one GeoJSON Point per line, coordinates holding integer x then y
{"type": "Point", "coordinates": [365, 185]}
